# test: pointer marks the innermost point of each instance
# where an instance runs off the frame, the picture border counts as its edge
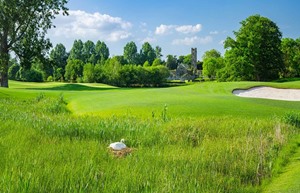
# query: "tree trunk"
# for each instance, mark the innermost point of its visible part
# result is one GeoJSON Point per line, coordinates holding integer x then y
{"type": "Point", "coordinates": [4, 60]}
{"type": "Point", "coordinates": [4, 80]}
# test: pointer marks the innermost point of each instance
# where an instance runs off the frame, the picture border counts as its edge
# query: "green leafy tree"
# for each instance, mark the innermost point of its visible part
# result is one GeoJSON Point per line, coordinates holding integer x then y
{"type": "Point", "coordinates": [212, 63]}
{"type": "Point", "coordinates": [31, 47]}
{"type": "Point", "coordinates": [23, 24]}
{"type": "Point", "coordinates": [188, 59]}
{"type": "Point", "coordinates": [255, 53]}
{"type": "Point", "coordinates": [59, 74]}
{"type": "Point", "coordinates": [211, 54]}
{"type": "Point", "coordinates": [147, 53]}
{"type": "Point", "coordinates": [58, 59]}
{"type": "Point", "coordinates": [171, 62]}
{"type": "Point", "coordinates": [158, 52]}
{"type": "Point", "coordinates": [76, 52]}
{"type": "Point", "coordinates": [88, 52]}
{"type": "Point", "coordinates": [291, 56]}
{"type": "Point", "coordinates": [89, 73]}
{"type": "Point", "coordinates": [74, 70]}
{"type": "Point", "coordinates": [101, 52]}
{"type": "Point", "coordinates": [130, 53]}
{"type": "Point", "coordinates": [157, 62]}
{"type": "Point", "coordinates": [180, 59]}
{"type": "Point", "coordinates": [110, 72]}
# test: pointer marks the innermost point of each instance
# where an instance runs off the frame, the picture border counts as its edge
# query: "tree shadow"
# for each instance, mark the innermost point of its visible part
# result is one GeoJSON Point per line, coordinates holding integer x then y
{"type": "Point", "coordinates": [73, 87]}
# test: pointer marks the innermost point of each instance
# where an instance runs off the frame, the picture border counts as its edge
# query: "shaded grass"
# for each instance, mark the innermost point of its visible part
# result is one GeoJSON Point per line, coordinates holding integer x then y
{"type": "Point", "coordinates": [75, 87]}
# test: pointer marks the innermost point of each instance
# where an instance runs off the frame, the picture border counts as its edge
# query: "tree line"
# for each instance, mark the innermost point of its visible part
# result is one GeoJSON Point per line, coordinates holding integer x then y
{"type": "Point", "coordinates": [89, 62]}
{"type": "Point", "coordinates": [258, 53]}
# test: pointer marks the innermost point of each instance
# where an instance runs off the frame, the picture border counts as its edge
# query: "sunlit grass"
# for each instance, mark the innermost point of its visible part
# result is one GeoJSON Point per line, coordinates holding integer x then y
{"type": "Point", "coordinates": [204, 139]}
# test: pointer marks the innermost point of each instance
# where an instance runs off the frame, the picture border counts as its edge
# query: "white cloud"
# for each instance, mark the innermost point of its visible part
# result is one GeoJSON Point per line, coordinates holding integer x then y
{"type": "Point", "coordinates": [214, 33]}
{"type": "Point", "coordinates": [188, 41]}
{"type": "Point", "coordinates": [186, 29]}
{"type": "Point", "coordinates": [164, 29]}
{"type": "Point", "coordinates": [80, 24]}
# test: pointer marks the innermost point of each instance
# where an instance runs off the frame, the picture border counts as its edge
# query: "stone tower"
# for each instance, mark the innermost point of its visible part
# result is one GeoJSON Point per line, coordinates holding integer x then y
{"type": "Point", "coordinates": [194, 57]}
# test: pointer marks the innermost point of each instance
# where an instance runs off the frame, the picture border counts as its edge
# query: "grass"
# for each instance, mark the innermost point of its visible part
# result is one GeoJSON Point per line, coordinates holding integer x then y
{"type": "Point", "coordinates": [203, 140]}
{"type": "Point", "coordinates": [207, 99]}
{"type": "Point", "coordinates": [289, 179]}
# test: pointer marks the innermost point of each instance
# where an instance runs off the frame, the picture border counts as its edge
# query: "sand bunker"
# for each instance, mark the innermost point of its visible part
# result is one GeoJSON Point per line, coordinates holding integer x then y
{"type": "Point", "coordinates": [270, 93]}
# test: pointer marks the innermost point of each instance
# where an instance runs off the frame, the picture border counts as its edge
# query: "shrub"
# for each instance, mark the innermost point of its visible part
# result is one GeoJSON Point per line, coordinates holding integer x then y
{"type": "Point", "coordinates": [31, 75]}
{"type": "Point", "coordinates": [50, 79]}
{"type": "Point", "coordinates": [12, 71]}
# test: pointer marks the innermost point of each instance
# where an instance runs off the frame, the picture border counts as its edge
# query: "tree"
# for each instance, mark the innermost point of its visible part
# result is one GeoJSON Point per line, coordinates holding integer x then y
{"type": "Point", "coordinates": [158, 52]}
{"type": "Point", "coordinates": [130, 53]}
{"type": "Point", "coordinates": [157, 62]}
{"type": "Point", "coordinates": [89, 73]}
{"type": "Point", "coordinates": [212, 63]}
{"type": "Point", "coordinates": [58, 58]}
{"type": "Point", "coordinates": [147, 53]}
{"type": "Point", "coordinates": [188, 59]}
{"type": "Point", "coordinates": [74, 70]}
{"type": "Point", "coordinates": [76, 52]}
{"type": "Point", "coordinates": [21, 21]}
{"type": "Point", "coordinates": [101, 52]}
{"type": "Point", "coordinates": [291, 56]}
{"type": "Point", "coordinates": [211, 54]}
{"type": "Point", "coordinates": [31, 47]}
{"type": "Point", "coordinates": [171, 62]}
{"type": "Point", "coordinates": [255, 53]}
{"type": "Point", "coordinates": [88, 52]}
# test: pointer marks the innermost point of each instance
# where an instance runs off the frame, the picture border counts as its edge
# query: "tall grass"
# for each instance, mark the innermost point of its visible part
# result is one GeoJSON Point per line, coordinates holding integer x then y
{"type": "Point", "coordinates": [45, 148]}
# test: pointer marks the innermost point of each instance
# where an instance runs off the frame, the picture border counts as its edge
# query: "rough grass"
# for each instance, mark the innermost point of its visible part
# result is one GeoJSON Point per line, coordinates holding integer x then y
{"type": "Point", "coordinates": [288, 179]}
{"type": "Point", "coordinates": [47, 148]}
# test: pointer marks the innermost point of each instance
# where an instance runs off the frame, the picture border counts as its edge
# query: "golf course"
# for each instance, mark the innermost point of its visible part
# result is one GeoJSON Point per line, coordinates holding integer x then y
{"type": "Point", "coordinates": [197, 137]}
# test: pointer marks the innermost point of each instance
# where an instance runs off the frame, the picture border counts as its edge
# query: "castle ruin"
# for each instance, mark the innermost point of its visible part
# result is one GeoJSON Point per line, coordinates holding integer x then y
{"type": "Point", "coordinates": [194, 58]}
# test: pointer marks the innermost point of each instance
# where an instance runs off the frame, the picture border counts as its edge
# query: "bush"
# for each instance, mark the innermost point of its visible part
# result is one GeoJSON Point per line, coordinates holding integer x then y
{"type": "Point", "coordinates": [12, 71]}
{"type": "Point", "coordinates": [50, 79]}
{"type": "Point", "coordinates": [31, 75]}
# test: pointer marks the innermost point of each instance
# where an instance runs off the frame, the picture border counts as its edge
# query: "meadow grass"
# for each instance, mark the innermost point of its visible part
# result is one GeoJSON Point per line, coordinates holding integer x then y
{"type": "Point", "coordinates": [48, 145]}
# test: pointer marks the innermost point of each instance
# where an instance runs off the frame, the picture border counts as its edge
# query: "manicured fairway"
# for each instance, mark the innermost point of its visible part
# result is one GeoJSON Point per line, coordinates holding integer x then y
{"type": "Point", "coordinates": [207, 99]}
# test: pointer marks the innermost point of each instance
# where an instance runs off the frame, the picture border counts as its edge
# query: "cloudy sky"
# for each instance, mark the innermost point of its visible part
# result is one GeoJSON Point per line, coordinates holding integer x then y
{"type": "Point", "coordinates": [174, 25]}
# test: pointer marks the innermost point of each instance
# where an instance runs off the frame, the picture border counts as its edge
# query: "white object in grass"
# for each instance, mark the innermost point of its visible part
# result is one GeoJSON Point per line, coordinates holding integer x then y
{"type": "Point", "coordinates": [118, 145]}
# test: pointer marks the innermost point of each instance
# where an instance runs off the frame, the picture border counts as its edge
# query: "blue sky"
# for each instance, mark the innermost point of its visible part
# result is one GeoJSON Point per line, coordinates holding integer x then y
{"type": "Point", "coordinates": [174, 25]}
